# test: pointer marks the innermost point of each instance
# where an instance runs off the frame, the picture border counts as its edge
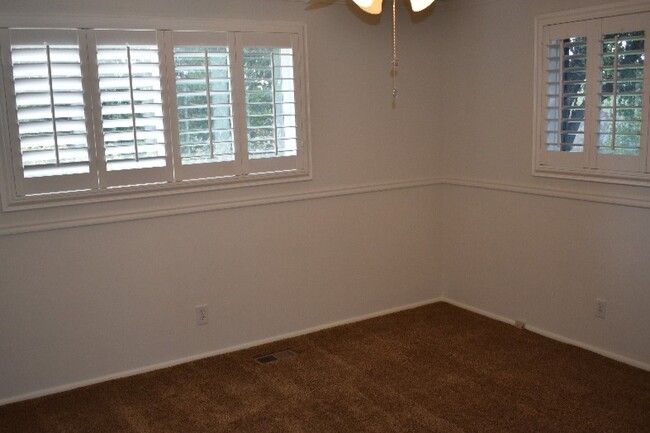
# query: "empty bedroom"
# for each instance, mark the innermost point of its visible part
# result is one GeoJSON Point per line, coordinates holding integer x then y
{"type": "Point", "coordinates": [324, 216]}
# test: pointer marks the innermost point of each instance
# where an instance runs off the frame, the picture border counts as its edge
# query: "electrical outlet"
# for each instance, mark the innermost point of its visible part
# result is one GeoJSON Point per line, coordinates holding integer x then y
{"type": "Point", "coordinates": [520, 324]}
{"type": "Point", "coordinates": [601, 308]}
{"type": "Point", "coordinates": [201, 314]}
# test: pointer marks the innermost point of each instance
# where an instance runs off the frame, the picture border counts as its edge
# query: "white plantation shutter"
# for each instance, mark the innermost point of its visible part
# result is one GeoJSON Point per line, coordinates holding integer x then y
{"type": "Point", "coordinates": [595, 99]}
{"type": "Point", "coordinates": [90, 111]}
{"type": "Point", "coordinates": [567, 123]}
{"type": "Point", "coordinates": [133, 145]}
{"type": "Point", "coordinates": [567, 94]}
{"type": "Point", "coordinates": [270, 82]}
{"type": "Point", "coordinates": [622, 140]}
{"type": "Point", "coordinates": [203, 124]}
{"type": "Point", "coordinates": [621, 94]}
{"type": "Point", "coordinates": [49, 113]}
{"type": "Point", "coordinates": [270, 102]}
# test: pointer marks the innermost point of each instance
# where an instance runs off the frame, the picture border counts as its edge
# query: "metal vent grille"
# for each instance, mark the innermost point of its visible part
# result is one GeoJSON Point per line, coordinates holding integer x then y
{"type": "Point", "coordinates": [275, 357]}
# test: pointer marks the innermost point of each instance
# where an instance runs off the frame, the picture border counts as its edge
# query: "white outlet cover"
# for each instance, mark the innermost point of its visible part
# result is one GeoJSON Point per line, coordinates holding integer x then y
{"type": "Point", "coordinates": [201, 314]}
{"type": "Point", "coordinates": [601, 308]}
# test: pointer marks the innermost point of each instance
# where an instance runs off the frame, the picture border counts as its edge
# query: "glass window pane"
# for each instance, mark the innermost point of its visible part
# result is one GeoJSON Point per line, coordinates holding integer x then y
{"type": "Point", "coordinates": [270, 102]}
{"type": "Point", "coordinates": [50, 109]}
{"type": "Point", "coordinates": [621, 93]}
{"type": "Point", "coordinates": [204, 104]}
{"type": "Point", "coordinates": [131, 100]}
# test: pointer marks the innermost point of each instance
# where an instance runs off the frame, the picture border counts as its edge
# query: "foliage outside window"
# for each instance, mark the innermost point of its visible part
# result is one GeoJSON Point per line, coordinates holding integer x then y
{"type": "Point", "coordinates": [592, 93]}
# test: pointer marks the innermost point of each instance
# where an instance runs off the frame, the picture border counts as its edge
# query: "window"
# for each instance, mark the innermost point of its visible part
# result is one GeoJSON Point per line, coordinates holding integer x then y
{"type": "Point", "coordinates": [93, 113]}
{"type": "Point", "coordinates": [592, 95]}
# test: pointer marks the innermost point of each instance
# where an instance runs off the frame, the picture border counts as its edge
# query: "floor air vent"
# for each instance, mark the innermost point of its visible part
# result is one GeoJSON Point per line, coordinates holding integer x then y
{"type": "Point", "coordinates": [275, 357]}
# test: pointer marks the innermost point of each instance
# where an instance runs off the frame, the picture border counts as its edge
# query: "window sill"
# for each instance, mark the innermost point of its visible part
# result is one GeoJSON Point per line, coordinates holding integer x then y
{"type": "Point", "coordinates": [12, 204]}
{"type": "Point", "coordinates": [593, 175]}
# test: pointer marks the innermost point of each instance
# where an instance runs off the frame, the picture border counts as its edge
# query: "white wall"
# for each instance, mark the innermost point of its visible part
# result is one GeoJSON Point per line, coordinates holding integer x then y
{"type": "Point", "coordinates": [72, 312]}
{"type": "Point", "coordinates": [541, 259]}
{"type": "Point", "coordinates": [80, 303]}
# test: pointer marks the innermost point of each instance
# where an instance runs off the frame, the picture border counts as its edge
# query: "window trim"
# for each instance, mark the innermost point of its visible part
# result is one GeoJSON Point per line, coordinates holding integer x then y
{"type": "Point", "coordinates": [10, 201]}
{"type": "Point", "coordinates": [543, 22]}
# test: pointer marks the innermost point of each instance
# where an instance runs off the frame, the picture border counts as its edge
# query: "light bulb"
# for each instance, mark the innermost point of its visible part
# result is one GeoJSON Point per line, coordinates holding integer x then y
{"type": "Point", "coordinates": [419, 5]}
{"type": "Point", "coordinates": [370, 6]}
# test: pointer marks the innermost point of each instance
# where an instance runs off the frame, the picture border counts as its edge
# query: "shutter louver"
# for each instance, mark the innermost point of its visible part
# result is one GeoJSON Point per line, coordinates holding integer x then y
{"type": "Point", "coordinates": [131, 106]}
{"type": "Point", "coordinates": [270, 102]}
{"type": "Point", "coordinates": [621, 94]}
{"type": "Point", "coordinates": [50, 109]}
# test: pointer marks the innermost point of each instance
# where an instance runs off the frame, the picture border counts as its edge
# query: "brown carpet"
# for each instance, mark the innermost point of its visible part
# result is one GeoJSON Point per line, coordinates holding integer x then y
{"type": "Point", "coordinates": [432, 369]}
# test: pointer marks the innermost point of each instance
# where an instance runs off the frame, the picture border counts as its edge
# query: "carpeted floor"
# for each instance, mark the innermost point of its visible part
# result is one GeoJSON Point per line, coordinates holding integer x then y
{"type": "Point", "coordinates": [432, 369]}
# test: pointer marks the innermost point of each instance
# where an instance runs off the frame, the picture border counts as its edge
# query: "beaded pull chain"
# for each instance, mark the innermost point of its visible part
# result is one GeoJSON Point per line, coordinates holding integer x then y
{"type": "Point", "coordinates": [395, 61]}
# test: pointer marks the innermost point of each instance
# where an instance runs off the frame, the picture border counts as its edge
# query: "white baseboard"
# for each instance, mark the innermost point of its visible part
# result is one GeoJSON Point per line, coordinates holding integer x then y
{"type": "Point", "coordinates": [554, 336]}
{"type": "Point", "coordinates": [310, 330]}
{"type": "Point", "coordinates": [171, 363]}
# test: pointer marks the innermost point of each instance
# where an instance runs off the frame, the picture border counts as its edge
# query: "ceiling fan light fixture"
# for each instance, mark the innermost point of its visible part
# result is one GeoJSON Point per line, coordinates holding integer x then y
{"type": "Point", "coordinates": [374, 7]}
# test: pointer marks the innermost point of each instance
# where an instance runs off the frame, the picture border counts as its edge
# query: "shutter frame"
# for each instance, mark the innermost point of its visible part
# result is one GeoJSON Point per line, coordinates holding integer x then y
{"type": "Point", "coordinates": [290, 162]}
{"type": "Point", "coordinates": [629, 163]}
{"type": "Point", "coordinates": [67, 181]}
{"type": "Point", "coordinates": [139, 173]}
{"type": "Point", "coordinates": [209, 168]}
